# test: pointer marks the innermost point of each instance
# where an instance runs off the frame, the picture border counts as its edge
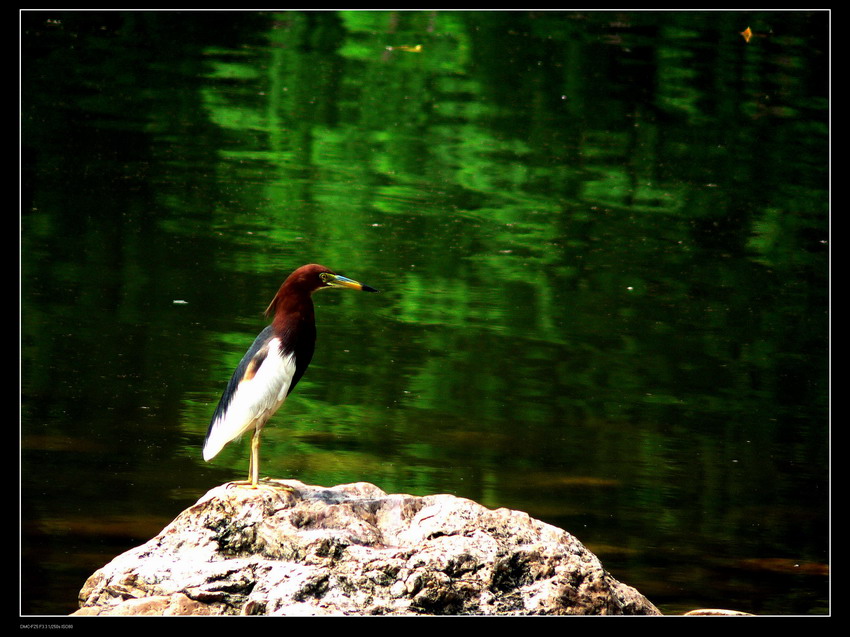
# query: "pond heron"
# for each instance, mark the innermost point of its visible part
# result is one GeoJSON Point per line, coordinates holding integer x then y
{"type": "Point", "coordinates": [274, 364]}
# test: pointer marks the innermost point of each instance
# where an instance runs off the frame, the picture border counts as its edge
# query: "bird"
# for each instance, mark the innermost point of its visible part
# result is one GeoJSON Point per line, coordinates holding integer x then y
{"type": "Point", "coordinates": [273, 365]}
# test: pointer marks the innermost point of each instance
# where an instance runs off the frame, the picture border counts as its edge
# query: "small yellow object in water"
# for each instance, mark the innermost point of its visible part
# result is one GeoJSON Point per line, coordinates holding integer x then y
{"type": "Point", "coordinates": [747, 33]}
{"type": "Point", "coordinates": [406, 47]}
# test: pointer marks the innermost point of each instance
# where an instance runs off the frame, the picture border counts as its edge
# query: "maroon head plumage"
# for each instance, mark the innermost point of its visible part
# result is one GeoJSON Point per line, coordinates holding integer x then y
{"type": "Point", "coordinates": [295, 293]}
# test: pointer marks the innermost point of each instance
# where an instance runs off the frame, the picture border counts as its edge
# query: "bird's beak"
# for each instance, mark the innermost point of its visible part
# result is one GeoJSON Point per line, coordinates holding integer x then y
{"type": "Point", "coordinates": [339, 281]}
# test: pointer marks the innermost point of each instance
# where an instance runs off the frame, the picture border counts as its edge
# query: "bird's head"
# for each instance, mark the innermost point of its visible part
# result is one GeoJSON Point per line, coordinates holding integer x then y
{"type": "Point", "coordinates": [309, 278]}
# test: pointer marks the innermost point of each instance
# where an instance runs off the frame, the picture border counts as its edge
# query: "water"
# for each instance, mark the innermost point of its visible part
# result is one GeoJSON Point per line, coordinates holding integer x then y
{"type": "Point", "coordinates": [601, 241]}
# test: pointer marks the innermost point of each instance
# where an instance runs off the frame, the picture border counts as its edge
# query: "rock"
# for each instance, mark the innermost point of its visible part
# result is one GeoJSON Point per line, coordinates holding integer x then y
{"type": "Point", "coordinates": [175, 604]}
{"type": "Point", "coordinates": [354, 550]}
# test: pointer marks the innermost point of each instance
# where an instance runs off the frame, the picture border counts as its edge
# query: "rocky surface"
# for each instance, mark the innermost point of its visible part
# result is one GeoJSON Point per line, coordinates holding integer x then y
{"type": "Point", "coordinates": [354, 550]}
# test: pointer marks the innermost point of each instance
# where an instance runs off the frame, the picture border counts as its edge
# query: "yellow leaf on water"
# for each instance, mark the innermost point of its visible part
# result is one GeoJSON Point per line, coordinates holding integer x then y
{"type": "Point", "coordinates": [747, 33]}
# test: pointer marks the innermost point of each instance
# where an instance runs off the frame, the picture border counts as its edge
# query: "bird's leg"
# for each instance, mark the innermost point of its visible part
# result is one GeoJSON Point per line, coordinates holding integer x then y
{"type": "Point", "coordinates": [253, 481]}
{"type": "Point", "coordinates": [254, 466]}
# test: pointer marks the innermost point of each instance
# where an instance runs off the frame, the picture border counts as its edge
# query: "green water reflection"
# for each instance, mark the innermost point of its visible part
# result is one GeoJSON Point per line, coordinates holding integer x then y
{"type": "Point", "coordinates": [601, 241]}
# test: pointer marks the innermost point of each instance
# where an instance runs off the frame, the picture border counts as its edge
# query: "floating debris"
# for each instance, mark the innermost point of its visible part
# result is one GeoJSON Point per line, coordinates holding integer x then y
{"type": "Point", "coordinates": [406, 47]}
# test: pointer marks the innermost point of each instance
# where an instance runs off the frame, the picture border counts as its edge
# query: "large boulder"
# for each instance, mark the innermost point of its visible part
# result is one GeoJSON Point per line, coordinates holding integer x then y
{"type": "Point", "coordinates": [354, 550]}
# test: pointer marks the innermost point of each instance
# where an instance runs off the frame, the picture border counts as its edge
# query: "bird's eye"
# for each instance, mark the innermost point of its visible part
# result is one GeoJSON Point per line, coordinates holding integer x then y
{"type": "Point", "coordinates": [324, 276]}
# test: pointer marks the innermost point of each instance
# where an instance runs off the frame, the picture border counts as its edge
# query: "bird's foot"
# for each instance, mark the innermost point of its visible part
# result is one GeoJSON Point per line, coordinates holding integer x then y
{"type": "Point", "coordinates": [269, 483]}
{"type": "Point", "coordinates": [240, 483]}
{"type": "Point", "coordinates": [274, 483]}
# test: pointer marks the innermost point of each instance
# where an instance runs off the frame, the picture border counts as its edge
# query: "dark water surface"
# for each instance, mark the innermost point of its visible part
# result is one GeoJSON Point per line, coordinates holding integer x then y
{"type": "Point", "coordinates": [601, 241]}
